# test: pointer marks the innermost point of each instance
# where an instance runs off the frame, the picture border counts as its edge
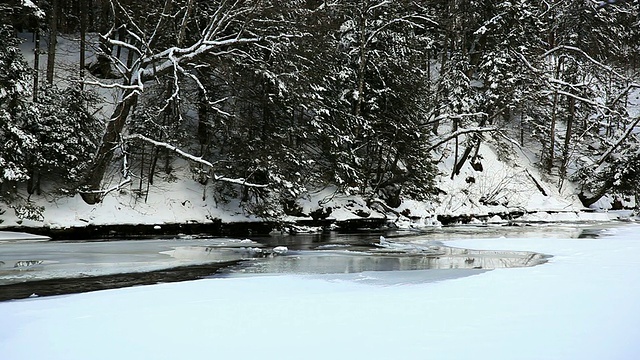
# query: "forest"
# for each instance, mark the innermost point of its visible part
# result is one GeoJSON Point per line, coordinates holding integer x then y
{"type": "Point", "coordinates": [267, 99]}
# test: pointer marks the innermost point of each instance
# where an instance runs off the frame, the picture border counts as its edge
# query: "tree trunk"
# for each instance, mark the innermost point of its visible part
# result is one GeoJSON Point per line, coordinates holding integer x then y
{"type": "Point", "coordinates": [473, 143]}
{"type": "Point", "coordinates": [36, 61]}
{"type": "Point", "coordinates": [203, 118]}
{"type": "Point", "coordinates": [455, 156]}
{"type": "Point", "coordinates": [554, 116]}
{"type": "Point", "coordinates": [53, 40]}
{"type": "Point", "coordinates": [102, 68]}
{"type": "Point", "coordinates": [361, 65]}
{"type": "Point", "coordinates": [567, 138]}
{"type": "Point", "coordinates": [590, 200]}
{"type": "Point", "coordinates": [83, 39]}
{"type": "Point", "coordinates": [104, 155]}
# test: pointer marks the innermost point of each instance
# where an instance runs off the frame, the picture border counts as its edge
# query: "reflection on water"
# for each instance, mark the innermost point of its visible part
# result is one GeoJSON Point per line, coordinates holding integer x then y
{"type": "Point", "coordinates": [440, 234]}
{"type": "Point", "coordinates": [335, 262]}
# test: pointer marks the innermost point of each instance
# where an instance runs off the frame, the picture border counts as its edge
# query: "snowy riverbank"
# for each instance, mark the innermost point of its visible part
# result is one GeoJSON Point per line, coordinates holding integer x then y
{"type": "Point", "coordinates": [582, 304]}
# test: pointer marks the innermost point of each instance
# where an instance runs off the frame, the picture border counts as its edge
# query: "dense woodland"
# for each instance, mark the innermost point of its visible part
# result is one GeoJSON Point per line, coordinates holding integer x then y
{"type": "Point", "coordinates": [269, 98]}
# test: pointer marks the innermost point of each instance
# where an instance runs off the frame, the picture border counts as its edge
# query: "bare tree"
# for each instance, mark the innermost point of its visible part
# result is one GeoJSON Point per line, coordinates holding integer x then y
{"type": "Point", "coordinates": [161, 50]}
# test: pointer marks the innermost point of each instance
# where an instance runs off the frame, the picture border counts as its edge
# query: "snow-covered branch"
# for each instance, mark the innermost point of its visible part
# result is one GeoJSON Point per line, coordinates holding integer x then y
{"type": "Point", "coordinates": [125, 45]}
{"type": "Point", "coordinates": [483, 29]}
{"type": "Point", "coordinates": [404, 19]}
{"type": "Point", "coordinates": [375, 6]}
{"type": "Point", "coordinates": [527, 63]}
{"type": "Point", "coordinates": [592, 60]}
{"type": "Point", "coordinates": [564, 83]}
{"type": "Point", "coordinates": [618, 142]}
{"type": "Point", "coordinates": [200, 160]}
{"type": "Point", "coordinates": [165, 60]}
{"type": "Point", "coordinates": [104, 192]}
{"type": "Point", "coordinates": [584, 100]}
{"type": "Point", "coordinates": [138, 87]}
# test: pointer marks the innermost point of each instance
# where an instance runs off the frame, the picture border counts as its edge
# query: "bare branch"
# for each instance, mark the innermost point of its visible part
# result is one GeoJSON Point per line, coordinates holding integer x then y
{"type": "Point", "coordinates": [165, 10]}
{"type": "Point", "coordinates": [200, 160]}
{"type": "Point", "coordinates": [624, 92]}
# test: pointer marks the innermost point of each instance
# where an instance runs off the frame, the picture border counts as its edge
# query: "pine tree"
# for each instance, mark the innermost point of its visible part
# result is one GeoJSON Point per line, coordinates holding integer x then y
{"type": "Point", "coordinates": [14, 91]}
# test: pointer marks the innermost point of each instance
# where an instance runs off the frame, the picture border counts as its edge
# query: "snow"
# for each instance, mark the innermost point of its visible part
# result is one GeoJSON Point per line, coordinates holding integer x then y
{"type": "Point", "coordinates": [36, 10]}
{"type": "Point", "coordinates": [280, 250]}
{"type": "Point", "coordinates": [583, 304]}
{"type": "Point", "coordinates": [12, 236]}
{"type": "Point", "coordinates": [184, 201]}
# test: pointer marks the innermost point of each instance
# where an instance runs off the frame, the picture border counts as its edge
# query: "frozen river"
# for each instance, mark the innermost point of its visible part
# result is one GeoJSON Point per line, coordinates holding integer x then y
{"type": "Point", "coordinates": [34, 266]}
{"type": "Point", "coordinates": [582, 303]}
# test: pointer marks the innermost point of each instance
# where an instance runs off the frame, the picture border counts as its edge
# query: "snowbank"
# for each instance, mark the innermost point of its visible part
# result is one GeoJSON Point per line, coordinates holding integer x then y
{"type": "Point", "coordinates": [8, 236]}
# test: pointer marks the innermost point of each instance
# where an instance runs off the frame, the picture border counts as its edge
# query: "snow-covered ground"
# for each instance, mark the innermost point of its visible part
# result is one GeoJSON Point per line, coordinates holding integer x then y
{"type": "Point", "coordinates": [12, 236]}
{"type": "Point", "coordinates": [582, 304]}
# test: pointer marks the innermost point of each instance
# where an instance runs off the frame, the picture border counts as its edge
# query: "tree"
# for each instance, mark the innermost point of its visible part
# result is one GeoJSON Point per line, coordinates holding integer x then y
{"type": "Point", "coordinates": [222, 27]}
{"type": "Point", "coordinates": [53, 40]}
{"type": "Point", "coordinates": [14, 91]}
{"type": "Point", "coordinates": [367, 98]}
{"type": "Point", "coordinates": [14, 94]}
{"type": "Point", "coordinates": [64, 137]}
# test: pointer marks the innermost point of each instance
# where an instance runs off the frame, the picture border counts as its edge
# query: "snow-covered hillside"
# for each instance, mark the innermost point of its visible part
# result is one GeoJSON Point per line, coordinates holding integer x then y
{"type": "Point", "coordinates": [500, 192]}
{"type": "Point", "coordinates": [496, 191]}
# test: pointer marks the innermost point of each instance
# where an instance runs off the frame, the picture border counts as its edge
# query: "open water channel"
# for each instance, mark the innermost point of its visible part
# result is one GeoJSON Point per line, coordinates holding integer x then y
{"type": "Point", "coordinates": [41, 268]}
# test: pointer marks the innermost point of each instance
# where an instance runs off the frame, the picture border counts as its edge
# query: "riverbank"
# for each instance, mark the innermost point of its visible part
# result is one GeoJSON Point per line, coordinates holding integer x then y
{"type": "Point", "coordinates": [502, 193]}
{"type": "Point", "coordinates": [217, 227]}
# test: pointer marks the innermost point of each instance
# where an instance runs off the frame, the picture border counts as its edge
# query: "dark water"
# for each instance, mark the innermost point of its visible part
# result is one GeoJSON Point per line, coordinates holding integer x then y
{"type": "Point", "coordinates": [59, 267]}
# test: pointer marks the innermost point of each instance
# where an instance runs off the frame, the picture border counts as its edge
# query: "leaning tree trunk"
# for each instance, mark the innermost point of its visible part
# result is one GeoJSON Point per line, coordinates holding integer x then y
{"type": "Point", "coordinates": [104, 155]}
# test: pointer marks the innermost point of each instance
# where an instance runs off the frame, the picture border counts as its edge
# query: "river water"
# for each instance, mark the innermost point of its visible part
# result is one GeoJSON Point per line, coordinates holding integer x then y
{"type": "Point", "coordinates": [39, 268]}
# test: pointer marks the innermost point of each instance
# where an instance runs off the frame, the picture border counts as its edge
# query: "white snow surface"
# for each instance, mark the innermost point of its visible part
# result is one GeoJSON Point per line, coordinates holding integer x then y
{"type": "Point", "coordinates": [12, 236]}
{"type": "Point", "coordinates": [168, 202]}
{"type": "Point", "coordinates": [582, 304]}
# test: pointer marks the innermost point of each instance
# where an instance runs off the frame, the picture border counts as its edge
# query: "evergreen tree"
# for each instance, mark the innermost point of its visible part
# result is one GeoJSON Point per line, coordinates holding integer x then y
{"type": "Point", "coordinates": [368, 96]}
{"type": "Point", "coordinates": [14, 92]}
{"type": "Point", "coordinates": [65, 136]}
